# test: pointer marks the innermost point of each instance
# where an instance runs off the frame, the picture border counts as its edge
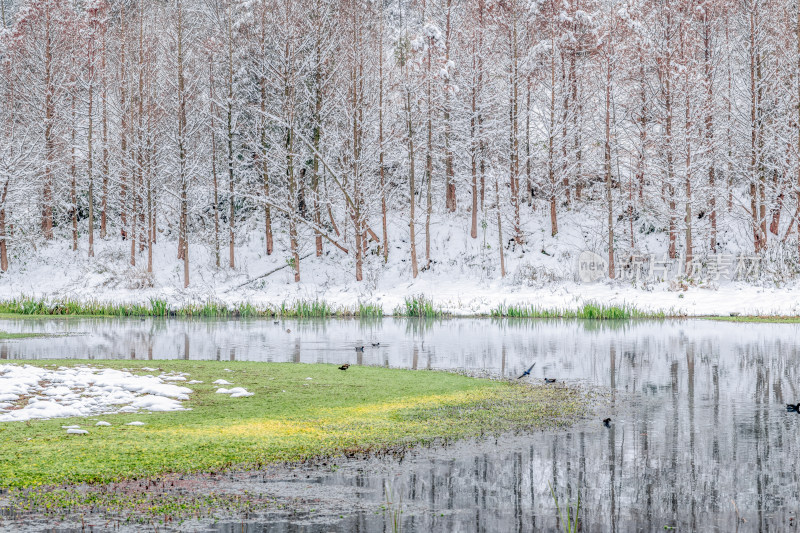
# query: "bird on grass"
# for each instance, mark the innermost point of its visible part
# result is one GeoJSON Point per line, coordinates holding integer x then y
{"type": "Point", "coordinates": [527, 372]}
{"type": "Point", "coordinates": [549, 380]}
{"type": "Point", "coordinates": [359, 348]}
{"type": "Point", "coordinates": [793, 408]}
{"type": "Point", "coordinates": [344, 366]}
{"type": "Point", "coordinates": [607, 422]}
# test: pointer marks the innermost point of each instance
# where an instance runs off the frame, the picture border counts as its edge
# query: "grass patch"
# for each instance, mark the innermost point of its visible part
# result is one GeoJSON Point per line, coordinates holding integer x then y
{"type": "Point", "coordinates": [28, 307]}
{"type": "Point", "coordinates": [289, 419]}
{"type": "Point", "coordinates": [10, 336]}
{"type": "Point", "coordinates": [589, 311]}
{"type": "Point", "coordinates": [419, 307]}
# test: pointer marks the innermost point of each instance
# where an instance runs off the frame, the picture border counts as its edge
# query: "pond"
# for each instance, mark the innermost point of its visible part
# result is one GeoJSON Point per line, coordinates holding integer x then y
{"type": "Point", "coordinates": [699, 438]}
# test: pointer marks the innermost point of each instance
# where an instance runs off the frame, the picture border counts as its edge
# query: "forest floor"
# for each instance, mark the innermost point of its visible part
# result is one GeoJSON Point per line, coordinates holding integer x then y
{"type": "Point", "coordinates": [296, 413]}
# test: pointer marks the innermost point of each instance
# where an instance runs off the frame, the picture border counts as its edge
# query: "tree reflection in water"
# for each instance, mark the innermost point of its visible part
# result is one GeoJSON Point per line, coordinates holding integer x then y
{"type": "Point", "coordinates": [699, 428]}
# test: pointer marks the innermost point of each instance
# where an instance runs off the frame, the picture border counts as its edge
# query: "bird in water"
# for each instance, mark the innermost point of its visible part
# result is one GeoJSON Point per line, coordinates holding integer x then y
{"type": "Point", "coordinates": [549, 380]}
{"type": "Point", "coordinates": [288, 331]}
{"type": "Point", "coordinates": [793, 408]}
{"type": "Point", "coordinates": [344, 366]}
{"type": "Point", "coordinates": [607, 422]}
{"type": "Point", "coordinates": [359, 348]}
{"type": "Point", "coordinates": [527, 372]}
{"type": "Point", "coordinates": [276, 322]}
{"type": "Point", "coordinates": [375, 344]}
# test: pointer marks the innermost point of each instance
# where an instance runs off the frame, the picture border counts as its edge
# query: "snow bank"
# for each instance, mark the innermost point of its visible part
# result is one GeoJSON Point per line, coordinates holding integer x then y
{"type": "Point", "coordinates": [82, 391]}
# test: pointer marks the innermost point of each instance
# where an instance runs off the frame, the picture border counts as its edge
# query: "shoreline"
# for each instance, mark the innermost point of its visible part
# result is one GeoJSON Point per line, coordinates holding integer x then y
{"type": "Point", "coordinates": [412, 307]}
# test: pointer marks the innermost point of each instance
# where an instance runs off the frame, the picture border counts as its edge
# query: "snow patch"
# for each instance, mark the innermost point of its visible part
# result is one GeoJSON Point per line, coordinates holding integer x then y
{"type": "Point", "coordinates": [82, 391]}
{"type": "Point", "coordinates": [236, 392]}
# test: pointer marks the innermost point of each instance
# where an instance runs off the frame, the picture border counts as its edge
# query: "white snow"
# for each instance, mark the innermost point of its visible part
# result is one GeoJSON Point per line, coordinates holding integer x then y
{"type": "Point", "coordinates": [74, 431]}
{"type": "Point", "coordinates": [222, 382]}
{"type": "Point", "coordinates": [464, 279]}
{"type": "Point", "coordinates": [236, 392]}
{"type": "Point", "coordinates": [135, 423]}
{"type": "Point", "coordinates": [82, 391]}
{"type": "Point", "coordinates": [102, 424]}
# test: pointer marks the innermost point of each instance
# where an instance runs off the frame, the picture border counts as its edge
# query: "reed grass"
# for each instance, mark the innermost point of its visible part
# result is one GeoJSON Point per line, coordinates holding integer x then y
{"type": "Point", "coordinates": [589, 311]}
{"type": "Point", "coordinates": [161, 308]}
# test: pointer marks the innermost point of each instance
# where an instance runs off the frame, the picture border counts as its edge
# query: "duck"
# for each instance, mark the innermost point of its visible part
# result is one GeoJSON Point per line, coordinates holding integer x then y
{"type": "Point", "coordinates": [359, 348]}
{"type": "Point", "coordinates": [527, 372]}
{"type": "Point", "coordinates": [793, 408]}
{"type": "Point", "coordinates": [375, 344]}
{"type": "Point", "coordinates": [549, 380]}
{"type": "Point", "coordinates": [344, 366]}
{"type": "Point", "coordinates": [607, 422]}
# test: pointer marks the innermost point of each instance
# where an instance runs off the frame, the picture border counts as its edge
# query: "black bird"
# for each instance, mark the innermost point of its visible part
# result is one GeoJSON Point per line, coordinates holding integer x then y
{"type": "Point", "coordinates": [607, 422]}
{"type": "Point", "coordinates": [344, 366]}
{"type": "Point", "coordinates": [527, 372]}
{"type": "Point", "coordinates": [359, 348]}
{"type": "Point", "coordinates": [276, 322]}
{"type": "Point", "coordinates": [288, 331]}
{"type": "Point", "coordinates": [793, 408]}
{"type": "Point", "coordinates": [375, 344]}
{"type": "Point", "coordinates": [549, 380]}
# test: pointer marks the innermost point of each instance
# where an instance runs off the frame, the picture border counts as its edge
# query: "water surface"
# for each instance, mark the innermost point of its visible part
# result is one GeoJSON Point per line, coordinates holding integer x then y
{"type": "Point", "coordinates": [700, 438]}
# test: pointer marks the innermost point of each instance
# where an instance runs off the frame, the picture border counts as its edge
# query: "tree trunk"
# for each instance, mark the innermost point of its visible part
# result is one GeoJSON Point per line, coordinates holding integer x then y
{"type": "Point", "coordinates": [3, 235]}
{"type": "Point", "coordinates": [214, 180]}
{"type": "Point", "coordinates": [450, 184]}
{"type": "Point", "coordinates": [49, 136]}
{"type": "Point", "coordinates": [607, 168]}
{"type": "Point", "coordinates": [411, 185]}
{"type": "Point", "coordinates": [73, 173]}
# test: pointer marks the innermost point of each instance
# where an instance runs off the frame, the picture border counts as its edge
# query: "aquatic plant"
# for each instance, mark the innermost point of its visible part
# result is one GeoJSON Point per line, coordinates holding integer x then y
{"type": "Point", "coordinates": [589, 311]}
{"type": "Point", "coordinates": [571, 524]}
{"type": "Point", "coordinates": [419, 307]}
{"type": "Point", "coordinates": [161, 308]}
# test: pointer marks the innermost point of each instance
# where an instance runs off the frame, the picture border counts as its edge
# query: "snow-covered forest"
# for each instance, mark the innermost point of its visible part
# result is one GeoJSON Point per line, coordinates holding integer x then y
{"type": "Point", "coordinates": [401, 136]}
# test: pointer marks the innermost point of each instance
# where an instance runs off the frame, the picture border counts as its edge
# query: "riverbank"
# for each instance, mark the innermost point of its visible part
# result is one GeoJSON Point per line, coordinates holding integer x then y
{"type": "Point", "coordinates": [412, 307]}
{"type": "Point", "coordinates": [463, 279]}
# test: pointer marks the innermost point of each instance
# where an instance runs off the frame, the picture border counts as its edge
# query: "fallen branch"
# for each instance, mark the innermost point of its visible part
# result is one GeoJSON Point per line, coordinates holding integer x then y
{"type": "Point", "coordinates": [262, 276]}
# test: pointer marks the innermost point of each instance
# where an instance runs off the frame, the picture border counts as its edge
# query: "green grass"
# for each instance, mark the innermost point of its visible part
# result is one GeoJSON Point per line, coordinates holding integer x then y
{"type": "Point", "coordinates": [419, 307]}
{"type": "Point", "coordinates": [28, 307]}
{"type": "Point", "coordinates": [10, 336]}
{"type": "Point", "coordinates": [589, 311]}
{"type": "Point", "coordinates": [289, 418]}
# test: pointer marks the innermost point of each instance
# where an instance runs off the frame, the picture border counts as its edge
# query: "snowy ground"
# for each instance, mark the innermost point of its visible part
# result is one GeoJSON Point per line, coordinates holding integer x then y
{"type": "Point", "coordinates": [464, 276]}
